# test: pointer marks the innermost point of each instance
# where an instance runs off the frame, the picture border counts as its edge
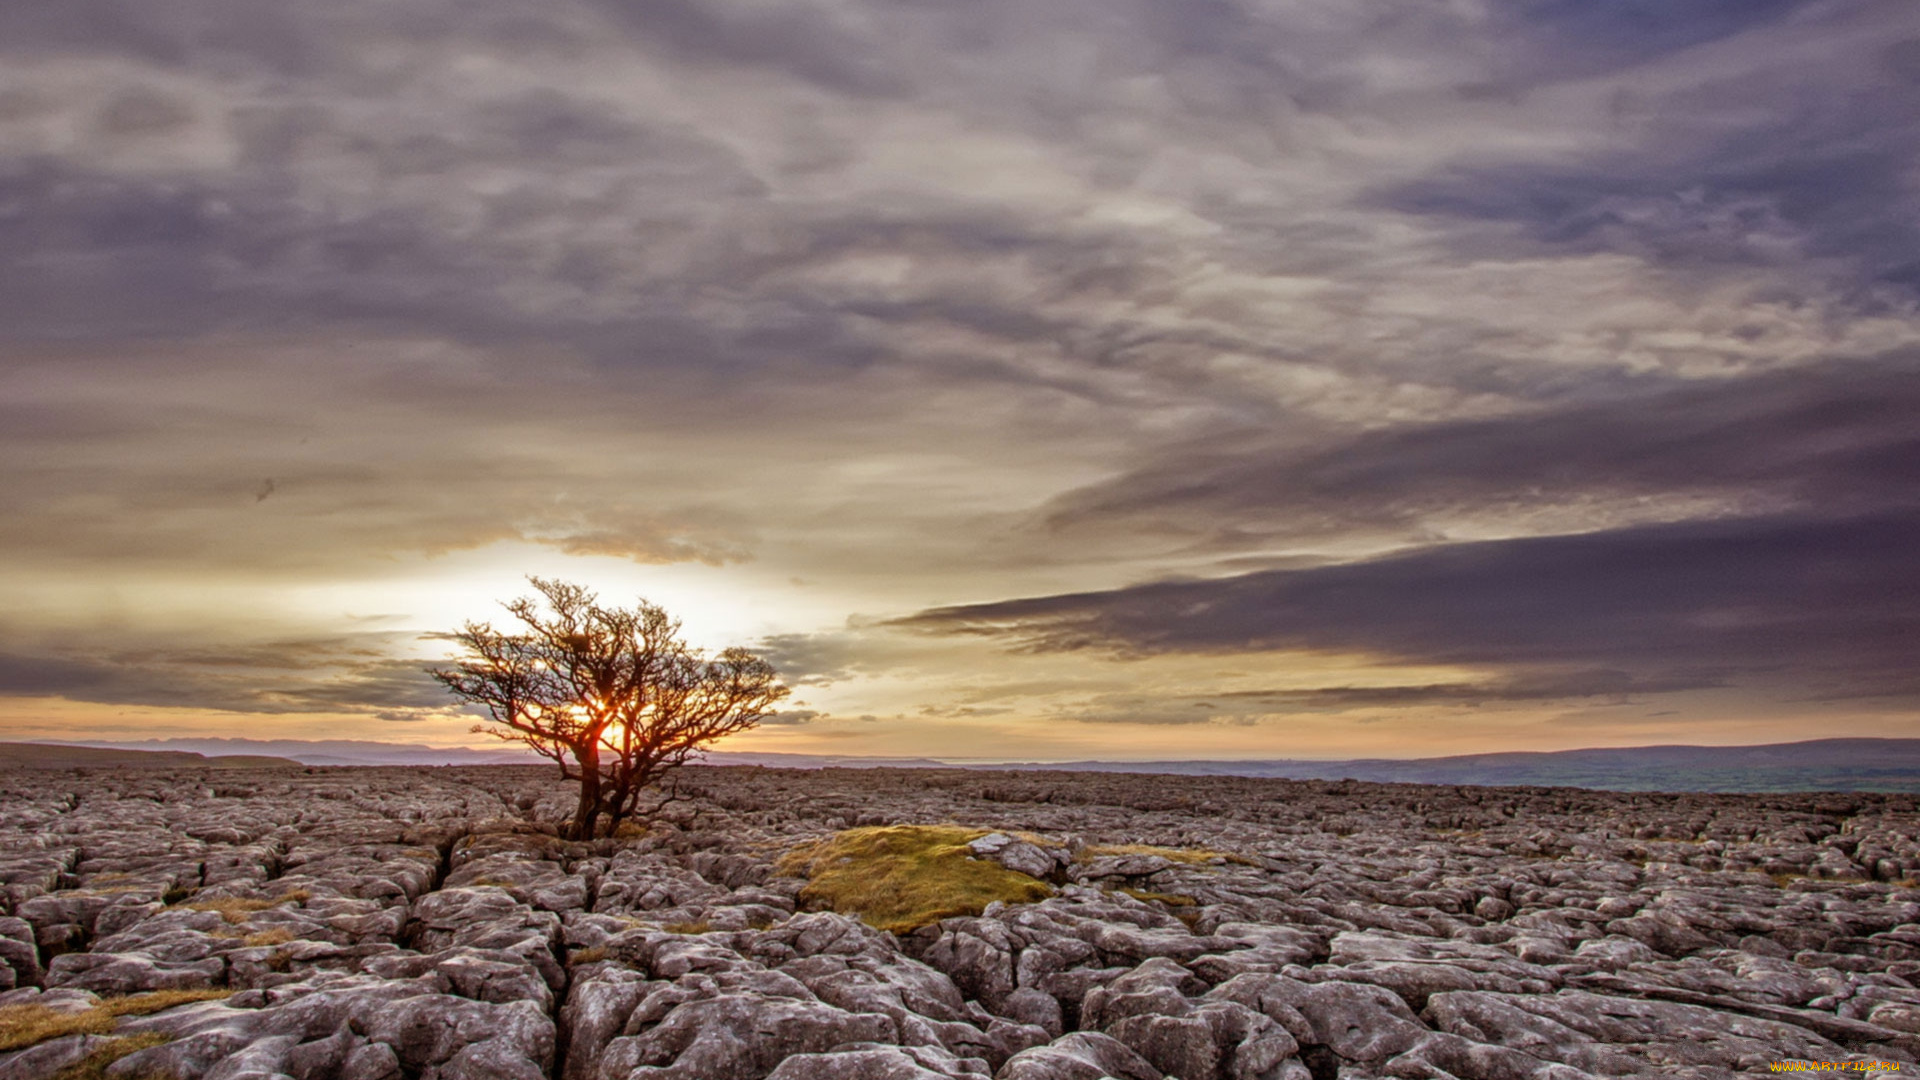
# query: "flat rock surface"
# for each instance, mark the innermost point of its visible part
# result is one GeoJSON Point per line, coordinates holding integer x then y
{"type": "Point", "coordinates": [425, 924]}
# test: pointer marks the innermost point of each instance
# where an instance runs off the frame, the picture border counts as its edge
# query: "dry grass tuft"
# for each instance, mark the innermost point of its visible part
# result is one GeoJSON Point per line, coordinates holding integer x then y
{"type": "Point", "coordinates": [1169, 899]}
{"type": "Point", "coordinates": [278, 935]}
{"type": "Point", "coordinates": [1192, 856]}
{"type": "Point", "coordinates": [592, 955]}
{"type": "Point", "coordinates": [700, 926]}
{"type": "Point", "coordinates": [901, 877]}
{"type": "Point", "coordinates": [22, 1026]}
{"type": "Point", "coordinates": [1785, 880]}
{"type": "Point", "coordinates": [235, 909]}
{"type": "Point", "coordinates": [94, 1065]}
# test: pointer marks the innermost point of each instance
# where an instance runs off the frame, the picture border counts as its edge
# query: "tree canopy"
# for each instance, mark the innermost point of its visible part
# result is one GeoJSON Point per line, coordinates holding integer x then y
{"type": "Point", "coordinates": [615, 696]}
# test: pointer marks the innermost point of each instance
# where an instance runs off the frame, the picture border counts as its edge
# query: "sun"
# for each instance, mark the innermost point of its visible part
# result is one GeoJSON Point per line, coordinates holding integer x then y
{"type": "Point", "coordinates": [718, 606]}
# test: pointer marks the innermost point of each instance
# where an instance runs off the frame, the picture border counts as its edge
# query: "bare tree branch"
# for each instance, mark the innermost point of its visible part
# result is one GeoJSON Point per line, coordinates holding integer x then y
{"type": "Point", "coordinates": [614, 696]}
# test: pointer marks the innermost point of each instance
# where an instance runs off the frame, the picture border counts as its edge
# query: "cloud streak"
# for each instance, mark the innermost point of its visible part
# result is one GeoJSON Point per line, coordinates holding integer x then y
{"type": "Point", "coordinates": [1815, 606]}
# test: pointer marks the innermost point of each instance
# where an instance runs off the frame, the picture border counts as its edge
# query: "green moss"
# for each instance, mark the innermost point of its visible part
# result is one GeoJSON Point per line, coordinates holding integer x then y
{"type": "Point", "coordinates": [901, 877]}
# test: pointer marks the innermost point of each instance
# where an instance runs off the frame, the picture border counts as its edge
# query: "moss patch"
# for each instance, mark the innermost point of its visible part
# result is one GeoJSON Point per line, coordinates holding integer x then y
{"type": "Point", "coordinates": [22, 1026]}
{"type": "Point", "coordinates": [901, 877]}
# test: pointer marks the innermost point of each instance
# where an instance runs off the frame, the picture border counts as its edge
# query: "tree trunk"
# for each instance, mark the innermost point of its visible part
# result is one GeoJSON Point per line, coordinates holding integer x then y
{"type": "Point", "coordinates": [588, 812]}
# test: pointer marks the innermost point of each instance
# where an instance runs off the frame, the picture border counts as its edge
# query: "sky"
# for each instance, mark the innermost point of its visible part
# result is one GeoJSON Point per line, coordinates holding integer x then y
{"type": "Point", "coordinates": [1118, 379]}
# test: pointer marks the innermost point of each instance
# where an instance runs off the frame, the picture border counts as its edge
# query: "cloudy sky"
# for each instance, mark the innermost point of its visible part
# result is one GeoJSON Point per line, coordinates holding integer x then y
{"type": "Point", "coordinates": [1088, 378]}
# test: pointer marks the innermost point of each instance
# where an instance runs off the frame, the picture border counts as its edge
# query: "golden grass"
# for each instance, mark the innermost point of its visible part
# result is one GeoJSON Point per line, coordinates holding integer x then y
{"type": "Point", "coordinates": [1191, 856]}
{"type": "Point", "coordinates": [278, 935]}
{"type": "Point", "coordinates": [698, 927]}
{"type": "Point", "coordinates": [235, 909]}
{"type": "Point", "coordinates": [1784, 880]}
{"type": "Point", "coordinates": [94, 1065]}
{"type": "Point", "coordinates": [22, 1026]}
{"type": "Point", "coordinates": [902, 877]}
{"type": "Point", "coordinates": [592, 955]}
{"type": "Point", "coordinates": [1169, 899]}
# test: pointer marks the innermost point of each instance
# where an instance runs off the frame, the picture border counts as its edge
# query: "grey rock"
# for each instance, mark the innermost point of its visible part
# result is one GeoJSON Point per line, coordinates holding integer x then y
{"type": "Point", "coordinates": [1019, 855]}
{"type": "Point", "coordinates": [132, 973]}
{"type": "Point", "coordinates": [1030, 1006]}
{"type": "Point", "coordinates": [702, 1039]}
{"type": "Point", "coordinates": [371, 1061]}
{"type": "Point", "coordinates": [880, 1063]}
{"type": "Point", "coordinates": [1079, 1056]}
{"type": "Point", "coordinates": [1364, 930]}
{"type": "Point", "coordinates": [47, 1058]}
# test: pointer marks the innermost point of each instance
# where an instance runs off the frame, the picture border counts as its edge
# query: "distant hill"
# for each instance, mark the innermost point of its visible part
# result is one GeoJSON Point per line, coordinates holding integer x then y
{"type": "Point", "coordinates": [1818, 765]}
{"type": "Point", "coordinates": [54, 756]}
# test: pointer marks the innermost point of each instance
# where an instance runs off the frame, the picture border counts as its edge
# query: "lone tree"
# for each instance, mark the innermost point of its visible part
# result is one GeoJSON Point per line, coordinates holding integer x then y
{"type": "Point", "coordinates": [615, 696]}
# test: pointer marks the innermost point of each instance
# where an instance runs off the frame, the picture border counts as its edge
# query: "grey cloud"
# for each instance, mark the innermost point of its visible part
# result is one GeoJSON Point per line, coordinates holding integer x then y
{"type": "Point", "coordinates": [1574, 40]}
{"type": "Point", "coordinates": [823, 658]}
{"type": "Point", "coordinates": [800, 39]}
{"type": "Point", "coordinates": [101, 254]}
{"type": "Point", "coordinates": [811, 659]}
{"type": "Point", "coordinates": [1796, 606]}
{"type": "Point", "coordinates": [334, 675]}
{"type": "Point", "coordinates": [1838, 436]}
{"type": "Point", "coordinates": [598, 231]}
{"type": "Point", "coordinates": [1558, 686]}
{"type": "Point", "coordinates": [1823, 179]}
{"type": "Point", "coordinates": [1902, 60]}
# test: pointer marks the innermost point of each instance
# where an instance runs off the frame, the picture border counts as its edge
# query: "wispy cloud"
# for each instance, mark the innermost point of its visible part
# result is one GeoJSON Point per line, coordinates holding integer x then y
{"type": "Point", "coordinates": [1481, 333]}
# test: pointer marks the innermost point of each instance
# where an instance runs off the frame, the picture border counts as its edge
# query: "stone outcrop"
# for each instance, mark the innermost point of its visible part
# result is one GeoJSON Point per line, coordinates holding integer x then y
{"type": "Point", "coordinates": [393, 924]}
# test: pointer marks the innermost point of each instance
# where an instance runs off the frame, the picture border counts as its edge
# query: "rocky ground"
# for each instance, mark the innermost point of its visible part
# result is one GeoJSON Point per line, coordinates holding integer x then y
{"type": "Point", "coordinates": [374, 924]}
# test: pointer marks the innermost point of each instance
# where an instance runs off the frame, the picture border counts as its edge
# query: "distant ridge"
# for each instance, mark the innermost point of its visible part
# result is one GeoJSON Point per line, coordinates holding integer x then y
{"type": "Point", "coordinates": [1815, 765]}
{"type": "Point", "coordinates": [56, 756]}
